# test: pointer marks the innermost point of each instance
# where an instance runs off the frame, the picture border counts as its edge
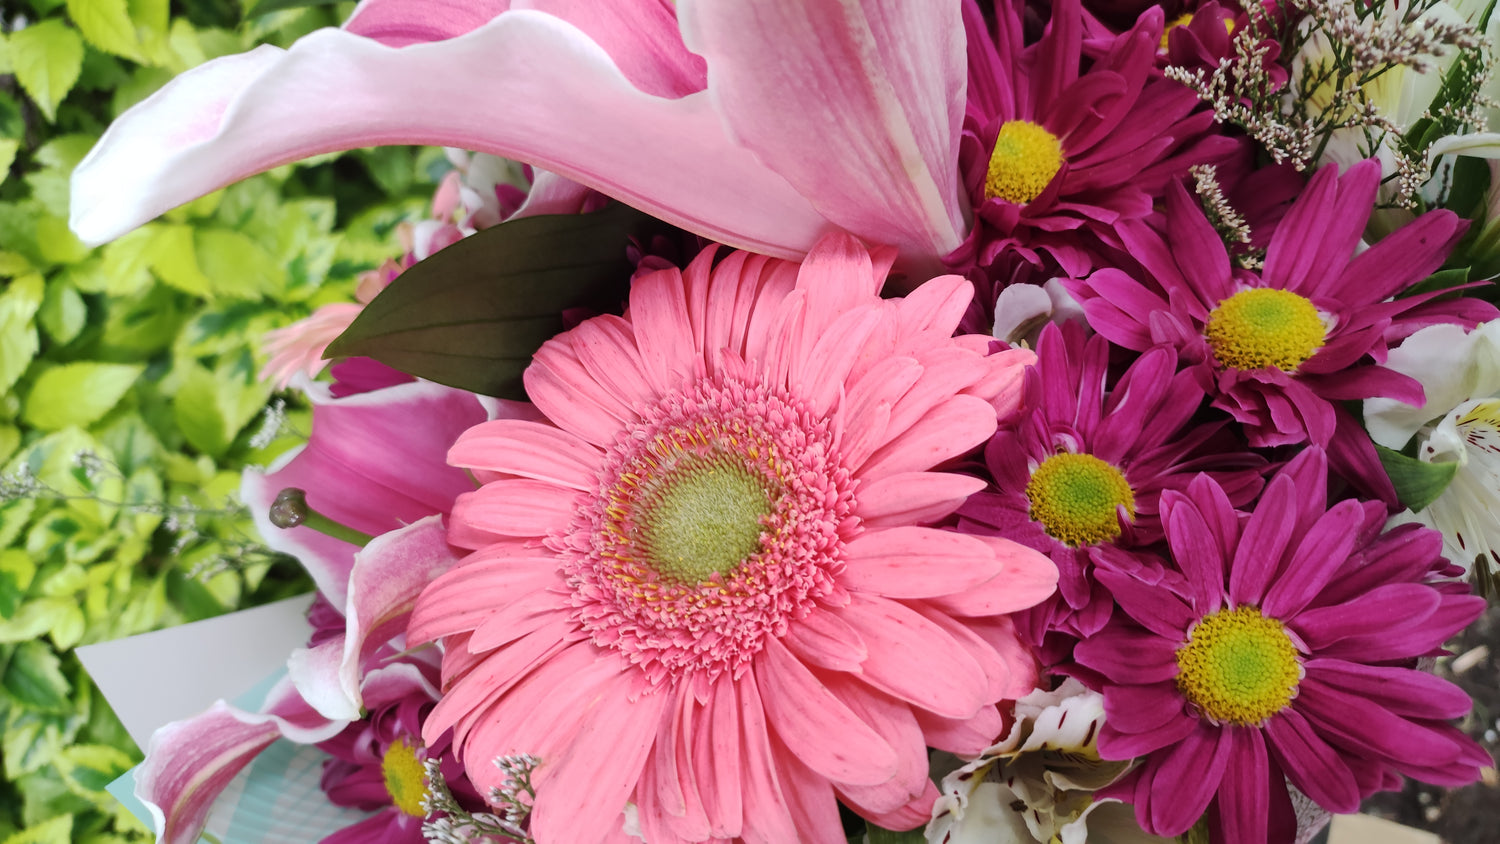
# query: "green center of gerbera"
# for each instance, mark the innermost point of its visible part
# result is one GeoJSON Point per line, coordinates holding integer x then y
{"type": "Point", "coordinates": [405, 778]}
{"type": "Point", "coordinates": [1075, 498]}
{"type": "Point", "coordinates": [1024, 160]}
{"type": "Point", "coordinates": [705, 517]}
{"type": "Point", "coordinates": [1238, 667]}
{"type": "Point", "coordinates": [1264, 328]}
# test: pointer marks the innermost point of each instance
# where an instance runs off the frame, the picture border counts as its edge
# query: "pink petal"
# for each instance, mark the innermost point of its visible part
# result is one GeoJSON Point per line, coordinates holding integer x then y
{"type": "Point", "coordinates": [963, 736]}
{"type": "Point", "coordinates": [913, 497]}
{"type": "Point", "coordinates": [1026, 579]}
{"type": "Point", "coordinates": [767, 819]}
{"type": "Point", "coordinates": [659, 320]}
{"type": "Point", "coordinates": [821, 638]}
{"type": "Point", "coordinates": [716, 752]}
{"type": "Point", "coordinates": [917, 562]}
{"type": "Point", "coordinates": [898, 728]}
{"type": "Point", "coordinates": [463, 598]}
{"type": "Point", "coordinates": [401, 22]}
{"type": "Point", "coordinates": [840, 98]}
{"type": "Point", "coordinates": [551, 97]}
{"type": "Point", "coordinates": [516, 507]}
{"type": "Point", "coordinates": [589, 784]}
{"type": "Point", "coordinates": [531, 450]}
{"type": "Point", "coordinates": [822, 731]}
{"type": "Point", "coordinates": [606, 346]}
{"type": "Point", "coordinates": [640, 35]}
{"type": "Point", "coordinates": [374, 462]}
{"type": "Point", "coordinates": [189, 763]}
{"type": "Point", "coordinates": [914, 659]}
{"type": "Point", "coordinates": [948, 430]}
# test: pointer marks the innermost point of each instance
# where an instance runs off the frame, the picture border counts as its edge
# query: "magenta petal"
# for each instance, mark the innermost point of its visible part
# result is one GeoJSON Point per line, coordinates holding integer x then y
{"type": "Point", "coordinates": [842, 97]}
{"type": "Point", "coordinates": [1114, 744]}
{"type": "Point", "coordinates": [398, 23]}
{"type": "Point", "coordinates": [1189, 776]}
{"type": "Point", "coordinates": [1244, 797]}
{"type": "Point", "coordinates": [1143, 709]}
{"type": "Point", "coordinates": [1130, 656]}
{"type": "Point", "coordinates": [551, 96]}
{"type": "Point", "coordinates": [1316, 561]}
{"type": "Point", "coordinates": [1414, 694]}
{"type": "Point", "coordinates": [1319, 770]}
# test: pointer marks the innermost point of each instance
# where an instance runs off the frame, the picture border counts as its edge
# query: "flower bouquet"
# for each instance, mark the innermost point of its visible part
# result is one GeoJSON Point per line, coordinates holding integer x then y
{"type": "Point", "coordinates": [837, 421]}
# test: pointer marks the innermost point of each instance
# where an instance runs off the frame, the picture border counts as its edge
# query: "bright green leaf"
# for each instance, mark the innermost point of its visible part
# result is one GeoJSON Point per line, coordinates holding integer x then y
{"type": "Point", "coordinates": [13, 264]}
{"type": "Point", "coordinates": [33, 678]}
{"type": "Point", "coordinates": [33, 619]}
{"type": "Point", "coordinates": [90, 767]}
{"type": "Point", "coordinates": [8, 148]}
{"type": "Point", "coordinates": [236, 265]}
{"type": "Point", "coordinates": [18, 340]}
{"type": "Point", "coordinates": [10, 438]}
{"type": "Point", "coordinates": [65, 151]}
{"type": "Point", "coordinates": [5, 63]}
{"type": "Point", "coordinates": [174, 258]}
{"type": "Point", "coordinates": [18, 229]}
{"type": "Point", "coordinates": [63, 312]}
{"type": "Point", "coordinates": [212, 408]}
{"type": "Point", "coordinates": [59, 830]}
{"type": "Point", "coordinates": [106, 24]}
{"type": "Point", "coordinates": [1417, 482]}
{"type": "Point", "coordinates": [127, 261]}
{"type": "Point", "coordinates": [57, 242]}
{"type": "Point", "coordinates": [265, 7]}
{"type": "Point", "coordinates": [47, 58]}
{"type": "Point", "coordinates": [77, 393]}
{"type": "Point", "coordinates": [50, 189]}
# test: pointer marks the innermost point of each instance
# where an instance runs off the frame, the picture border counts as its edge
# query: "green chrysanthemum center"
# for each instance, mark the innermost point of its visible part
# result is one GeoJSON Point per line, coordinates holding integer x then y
{"type": "Point", "coordinates": [704, 517]}
{"type": "Point", "coordinates": [1265, 328]}
{"type": "Point", "coordinates": [405, 778]}
{"type": "Point", "coordinates": [1075, 498]}
{"type": "Point", "coordinates": [1238, 667]}
{"type": "Point", "coordinates": [1024, 160]}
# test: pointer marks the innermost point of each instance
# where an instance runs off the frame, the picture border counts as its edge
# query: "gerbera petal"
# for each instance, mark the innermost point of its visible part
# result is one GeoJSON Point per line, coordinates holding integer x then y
{"type": "Point", "coordinates": [962, 736]}
{"type": "Point", "coordinates": [659, 321]}
{"type": "Point", "coordinates": [716, 752]}
{"type": "Point", "coordinates": [837, 97]}
{"type": "Point", "coordinates": [825, 735]}
{"type": "Point", "coordinates": [512, 507]}
{"type": "Point", "coordinates": [529, 449]}
{"type": "Point", "coordinates": [553, 97]}
{"type": "Point", "coordinates": [1026, 579]}
{"type": "Point", "coordinates": [821, 638]}
{"type": "Point", "coordinates": [917, 562]}
{"type": "Point", "coordinates": [767, 819]}
{"type": "Point", "coordinates": [951, 428]}
{"type": "Point", "coordinates": [913, 659]}
{"type": "Point", "coordinates": [913, 497]}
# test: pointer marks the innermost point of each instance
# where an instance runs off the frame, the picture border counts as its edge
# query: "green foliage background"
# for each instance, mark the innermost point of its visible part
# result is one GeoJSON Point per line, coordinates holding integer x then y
{"type": "Point", "coordinates": [128, 374]}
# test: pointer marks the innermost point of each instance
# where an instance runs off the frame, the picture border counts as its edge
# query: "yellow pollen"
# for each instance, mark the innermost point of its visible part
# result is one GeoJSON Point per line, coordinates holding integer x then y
{"type": "Point", "coordinates": [405, 778]}
{"type": "Point", "coordinates": [1265, 328]}
{"type": "Point", "coordinates": [1238, 667]}
{"type": "Point", "coordinates": [1025, 159]}
{"type": "Point", "coordinates": [1075, 496]}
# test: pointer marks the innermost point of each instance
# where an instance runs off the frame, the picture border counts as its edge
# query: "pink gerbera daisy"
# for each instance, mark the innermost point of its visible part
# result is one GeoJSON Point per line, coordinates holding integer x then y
{"type": "Point", "coordinates": [1289, 655]}
{"type": "Point", "coordinates": [703, 585]}
{"type": "Point", "coordinates": [1053, 154]}
{"type": "Point", "coordinates": [1079, 472]}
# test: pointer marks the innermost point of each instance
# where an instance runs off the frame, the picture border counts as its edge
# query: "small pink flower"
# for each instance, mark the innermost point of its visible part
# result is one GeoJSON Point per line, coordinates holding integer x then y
{"type": "Point", "coordinates": [704, 585]}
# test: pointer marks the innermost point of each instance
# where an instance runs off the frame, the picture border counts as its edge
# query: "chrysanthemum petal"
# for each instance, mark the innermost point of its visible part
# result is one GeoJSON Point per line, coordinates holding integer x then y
{"type": "Point", "coordinates": [1311, 764]}
{"type": "Point", "coordinates": [1316, 560]}
{"type": "Point", "coordinates": [1130, 656]}
{"type": "Point", "coordinates": [1188, 777]}
{"type": "Point", "coordinates": [1403, 691]}
{"type": "Point", "coordinates": [1244, 796]}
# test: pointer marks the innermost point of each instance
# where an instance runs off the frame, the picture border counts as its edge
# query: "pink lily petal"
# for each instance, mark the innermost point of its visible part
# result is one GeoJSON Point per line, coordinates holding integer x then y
{"type": "Point", "coordinates": [858, 105]}
{"type": "Point", "coordinates": [398, 23]}
{"type": "Point", "coordinates": [189, 763]}
{"type": "Point", "coordinates": [388, 575]}
{"type": "Point", "coordinates": [551, 97]}
{"type": "Point", "coordinates": [374, 462]}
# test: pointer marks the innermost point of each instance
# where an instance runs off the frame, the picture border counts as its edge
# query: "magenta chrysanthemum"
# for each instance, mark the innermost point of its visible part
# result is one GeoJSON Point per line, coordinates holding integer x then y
{"type": "Point", "coordinates": [1050, 150]}
{"type": "Point", "coordinates": [1287, 654]}
{"type": "Point", "coordinates": [1079, 472]}
{"type": "Point", "coordinates": [705, 586]}
{"type": "Point", "coordinates": [1277, 349]}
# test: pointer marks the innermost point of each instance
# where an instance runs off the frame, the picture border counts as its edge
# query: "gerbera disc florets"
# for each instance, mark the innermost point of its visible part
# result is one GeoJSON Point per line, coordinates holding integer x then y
{"type": "Point", "coordinates": [718, 522]}
{"type": "Point", "coordinates": [1025, 158]}
{"type": "Point", "coordinates": [1238, 667]}
{"type": "Point", "coordinates": [1265, 328]}
{"type": "Point", "coordinates": [1076, 498]}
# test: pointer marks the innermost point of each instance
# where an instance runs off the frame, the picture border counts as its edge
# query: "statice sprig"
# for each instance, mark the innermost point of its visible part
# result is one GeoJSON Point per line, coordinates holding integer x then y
{"type": "Point", "coordinates": [1341, 50]}
{"type": "Point", "coordinates": [450, 823]}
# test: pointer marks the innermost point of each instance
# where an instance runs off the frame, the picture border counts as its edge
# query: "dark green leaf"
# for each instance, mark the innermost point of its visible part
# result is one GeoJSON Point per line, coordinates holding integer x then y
{"type": "Point", "coordinates": [1471, 180]}
{"type": "Point", "coordinates": [472, 315]}
{"type": "Point", "coordinates": [1440, 280]}
{"type": "Point", "coordinates": [265, 7]}
{"type": "Point", "coordinates": [1417, 483]}
{"type": "Point", "coordinates": [886, 836]}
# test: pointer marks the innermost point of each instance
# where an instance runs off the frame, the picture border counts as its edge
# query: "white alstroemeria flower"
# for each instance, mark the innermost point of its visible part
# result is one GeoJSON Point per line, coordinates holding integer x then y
{"type": "Point", "coordinates": [1037, 784]}
{"type": "Point", "coordinates": [1460, 423]}
{"type": "Point", "coordinates": [1023, 310]}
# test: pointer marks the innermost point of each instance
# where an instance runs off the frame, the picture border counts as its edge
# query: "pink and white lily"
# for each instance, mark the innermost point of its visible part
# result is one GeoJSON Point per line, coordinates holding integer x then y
{"type": "Point", "coordinates": [376, 462]}
{"type": "Point", "coordinates": [762, 124]}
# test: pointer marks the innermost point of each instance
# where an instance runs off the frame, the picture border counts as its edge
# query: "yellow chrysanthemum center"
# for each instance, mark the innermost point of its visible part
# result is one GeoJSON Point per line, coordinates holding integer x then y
{"type": "Point", "coordinates": [1025, 159]}
{"type": "Point", "coordinates": [704, 518]}
{"type": "Point", "coordinates": [405, 778]}
{"type": "Point", "coordinates": [1184, 20]}
{"type": "Point", "coordinates": [1238, 667]}
{"type": "Point", "coordinates": [1265, 328]}
{"type": "Point", "coordinates": [1075, 497]}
